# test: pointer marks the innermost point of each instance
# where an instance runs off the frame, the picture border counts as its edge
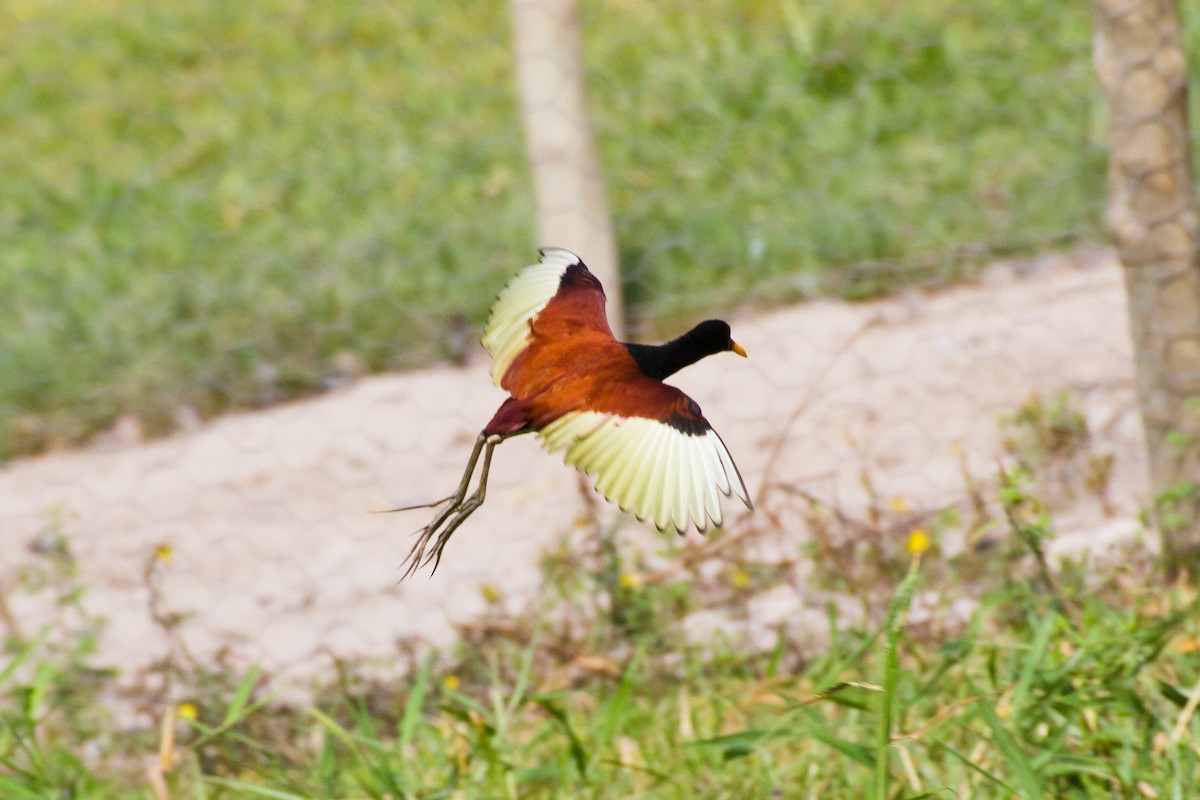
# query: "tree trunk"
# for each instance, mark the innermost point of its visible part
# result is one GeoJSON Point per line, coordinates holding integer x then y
{"type": "Point", "coordinates": [1152, 214]}
{"type": "Point", "coordinates": [572, 211]}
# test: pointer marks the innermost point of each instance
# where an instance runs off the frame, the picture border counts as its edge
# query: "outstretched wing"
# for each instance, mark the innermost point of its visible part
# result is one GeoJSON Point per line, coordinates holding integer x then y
{"type": "Point", "coordinates": [650, 467]}
{"type": "Point", "coordinates": [646, 444]}
{"type": "Point", "coordinates": [559, 276]}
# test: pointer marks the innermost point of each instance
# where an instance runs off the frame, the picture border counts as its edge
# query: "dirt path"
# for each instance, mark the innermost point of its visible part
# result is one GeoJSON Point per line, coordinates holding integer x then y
{"type": "Point", "coordinates": [276, 557]}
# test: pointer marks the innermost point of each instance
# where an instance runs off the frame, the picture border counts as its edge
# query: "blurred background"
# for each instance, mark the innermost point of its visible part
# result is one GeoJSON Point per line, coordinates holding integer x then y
{"type": "Point", "coordinates": [247, 249]}
{"type": "Point", "coordinates": [216, 206]}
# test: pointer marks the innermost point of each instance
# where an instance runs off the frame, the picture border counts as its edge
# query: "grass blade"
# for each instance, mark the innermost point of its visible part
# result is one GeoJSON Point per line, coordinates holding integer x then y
{"type": "Point", "coordinates": [971, 765]}
{"type": "Point", "coordinates": [415, 704]}
{"type": "Point", "coordinates": [237, 707]}
{"type": "Point", "coordinates": [10, 788]}
{"type": "Point", "coordinates": [23, 656]}
{"type": "Point", "coordinates": [616, 708]}
{"type": "Point", "coordinates": [518, 693]}
{"type": "Point", "coordinates": [858, 752]}
{"type": "Point", "coordinates": [1037, 651]}
{"type": "Point", "coordinates": [1023, 773]}
{"type": "Point", "coordinates": [578, 753]}
{"type": "Point", "coordinates": [254, 789]}
{"type": "Point", "coordinates": [893, 626]}
{"type": "Point", "coordinates": [347, 737]}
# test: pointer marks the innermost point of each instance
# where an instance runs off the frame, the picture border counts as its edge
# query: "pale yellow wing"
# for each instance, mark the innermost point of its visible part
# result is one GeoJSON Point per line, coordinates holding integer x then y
{"type": "Point", "coordinates": [649, 468]}
{"type": "Point", "coordinates": [507, 330]}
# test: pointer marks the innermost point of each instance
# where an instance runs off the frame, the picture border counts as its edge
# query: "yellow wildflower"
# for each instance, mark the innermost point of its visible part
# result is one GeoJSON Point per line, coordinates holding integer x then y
{"type": "Point", "coordinates": [741, 578]}
{"type": "Point", "coordinates": [918, 541]}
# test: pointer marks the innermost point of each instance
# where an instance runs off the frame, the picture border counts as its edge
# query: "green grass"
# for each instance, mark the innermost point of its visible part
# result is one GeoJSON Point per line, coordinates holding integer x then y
{"type": "Point", "coordinates": [207, 203]}
{"type": "Point", "coordinates": [767, 153]}
{"type": "Point", "coordinates": [211, 205]}
{"type": "Point", "coordinates": [1075, 680]}
{"type": "Point", "coordinates": [1027, 700]}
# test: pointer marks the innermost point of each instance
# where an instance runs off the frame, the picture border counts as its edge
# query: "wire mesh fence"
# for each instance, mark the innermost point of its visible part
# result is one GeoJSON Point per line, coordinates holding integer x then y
{"type": "Point", "coordinates": [218, 207]}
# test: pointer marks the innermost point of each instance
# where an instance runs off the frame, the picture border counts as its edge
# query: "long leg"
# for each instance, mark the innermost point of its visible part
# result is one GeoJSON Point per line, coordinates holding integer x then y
{"type": "Point", "coordinates": [466, 509]}
{"type": "Point", "coordinates": [459, 508]}
{"type": "Point", "coordinates": [459, 493]}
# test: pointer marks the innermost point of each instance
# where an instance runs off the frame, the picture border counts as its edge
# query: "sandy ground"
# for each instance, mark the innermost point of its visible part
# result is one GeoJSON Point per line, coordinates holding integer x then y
{"type": "Point", "coordinates": [277, 558]}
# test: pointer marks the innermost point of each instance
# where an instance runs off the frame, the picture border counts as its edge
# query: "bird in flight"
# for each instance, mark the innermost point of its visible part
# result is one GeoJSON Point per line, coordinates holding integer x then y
{"type": "Point", "coordinates": [601, 401]}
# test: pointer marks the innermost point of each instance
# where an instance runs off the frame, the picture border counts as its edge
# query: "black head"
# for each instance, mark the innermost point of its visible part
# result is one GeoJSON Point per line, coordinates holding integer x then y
{"type": "Point", "coordinates": [709, 337]}
{"type": "Point", "coordinates": [713, 336]}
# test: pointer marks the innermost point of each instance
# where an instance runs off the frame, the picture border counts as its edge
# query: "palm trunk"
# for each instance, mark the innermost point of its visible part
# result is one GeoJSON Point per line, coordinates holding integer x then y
{"type": "Point", "coordinates": [1152, 214]}
{"type": "Point", "coordinates": [572, 210]}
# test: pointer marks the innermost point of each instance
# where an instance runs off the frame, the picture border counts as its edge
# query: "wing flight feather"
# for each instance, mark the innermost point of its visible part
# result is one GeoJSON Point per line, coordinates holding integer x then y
{"type": "Point", "coordinates": [648, 467]}
{"type": "Point", "coordinates": [507, 330]}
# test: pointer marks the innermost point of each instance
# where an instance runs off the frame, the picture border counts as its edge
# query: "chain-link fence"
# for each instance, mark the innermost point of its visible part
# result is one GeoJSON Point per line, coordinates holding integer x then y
{"type": "Point", "coordinates": [213, 207]}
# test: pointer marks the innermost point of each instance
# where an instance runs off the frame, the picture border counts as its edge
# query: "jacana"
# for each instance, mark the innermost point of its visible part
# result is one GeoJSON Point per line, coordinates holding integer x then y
{"type": "Point", "coordinates": [601, 401]}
